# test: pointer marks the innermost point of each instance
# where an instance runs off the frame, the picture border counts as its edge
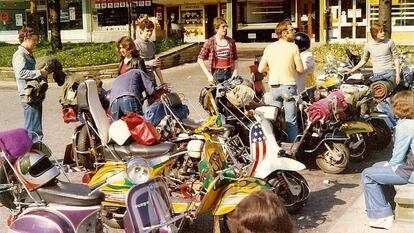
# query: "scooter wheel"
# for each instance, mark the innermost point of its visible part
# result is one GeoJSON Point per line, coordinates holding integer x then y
{"type": "Point", "coordinates": [83, 144]}
{"type": "Point", "coordinates": [381, 137]}
{"type": "Point", "coordinates": [333, 157]}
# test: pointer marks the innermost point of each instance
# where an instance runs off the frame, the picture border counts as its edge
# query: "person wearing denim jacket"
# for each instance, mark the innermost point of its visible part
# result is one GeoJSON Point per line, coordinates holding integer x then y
{"type": "Point", "coordinates": [398, 170]}
{"type": "Point", "coordinates": [24, 71]}
{"type": "Point", "coordinates": [126, 93]}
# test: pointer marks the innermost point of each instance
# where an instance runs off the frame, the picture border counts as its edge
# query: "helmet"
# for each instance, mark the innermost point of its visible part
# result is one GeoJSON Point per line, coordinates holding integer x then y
{"type": "Point", "coordinates": [302, 41]}
{"type": "Point", "coordinates": [119, 132]}
{"type": "Point", "coordinates": [35, 169]}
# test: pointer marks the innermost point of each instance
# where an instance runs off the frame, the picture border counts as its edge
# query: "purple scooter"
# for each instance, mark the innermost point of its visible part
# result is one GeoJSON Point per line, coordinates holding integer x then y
{"type": "Point", "coordinates": [38, 200]}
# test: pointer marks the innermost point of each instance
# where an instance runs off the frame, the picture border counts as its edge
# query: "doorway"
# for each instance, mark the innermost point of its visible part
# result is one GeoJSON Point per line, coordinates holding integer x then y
{"type": "Point", "coordinates": [172, 17]}
{"type": "Point", "coordinates": [306, 17]}
{"type": "Point", "coordinates": [211, 13]}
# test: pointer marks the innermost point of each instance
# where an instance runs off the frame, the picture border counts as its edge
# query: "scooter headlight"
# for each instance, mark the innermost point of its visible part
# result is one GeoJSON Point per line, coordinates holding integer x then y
{"type": "Point", "coordinates": [138, 170]}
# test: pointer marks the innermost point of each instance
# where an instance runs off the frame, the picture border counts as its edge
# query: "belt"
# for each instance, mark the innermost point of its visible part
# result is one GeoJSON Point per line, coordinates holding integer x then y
{"type": "Point", "coordinates": [225, 69]}
{"type": "Point", "coordinates": [278, 85]}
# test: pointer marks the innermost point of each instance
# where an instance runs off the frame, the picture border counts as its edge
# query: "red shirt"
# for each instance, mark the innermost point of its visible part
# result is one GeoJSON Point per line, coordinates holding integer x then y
{"type": "Point", "coordinates": [122, 68]}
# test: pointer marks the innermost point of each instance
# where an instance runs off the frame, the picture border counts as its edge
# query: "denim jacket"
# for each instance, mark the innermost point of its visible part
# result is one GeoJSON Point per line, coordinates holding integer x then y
{"type": "Point", "coordinates": [24, 68]}
{"type": "Point", "coordinates": [132, 83]}
{"type": "Point", "coordinates": [403, 142]}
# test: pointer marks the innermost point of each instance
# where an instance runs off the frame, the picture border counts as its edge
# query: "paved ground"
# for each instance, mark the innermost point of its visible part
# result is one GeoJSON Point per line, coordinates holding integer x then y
{"type": "Point", "coordinates": [329, 204]}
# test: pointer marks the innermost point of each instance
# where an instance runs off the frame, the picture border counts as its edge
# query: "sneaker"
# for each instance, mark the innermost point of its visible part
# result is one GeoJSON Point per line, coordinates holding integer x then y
{"type": "Point", "coordinates": [383, 223]}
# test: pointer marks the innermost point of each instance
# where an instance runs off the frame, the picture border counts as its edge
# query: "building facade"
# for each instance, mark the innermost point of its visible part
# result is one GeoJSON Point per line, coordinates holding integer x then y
{"type": "Point", "coordinates": [249, 20]}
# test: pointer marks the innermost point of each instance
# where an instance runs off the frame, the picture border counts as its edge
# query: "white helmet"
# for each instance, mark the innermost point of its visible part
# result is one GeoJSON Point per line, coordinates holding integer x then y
{"type": "Point", "coordinates": [35, 169]}
{"type": "Point", "coordinates": [119, 132]}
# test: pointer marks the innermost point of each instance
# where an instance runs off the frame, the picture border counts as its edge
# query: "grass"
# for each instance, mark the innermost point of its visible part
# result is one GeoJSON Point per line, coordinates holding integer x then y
{"type": "Point", "coordinates": [77, 54]}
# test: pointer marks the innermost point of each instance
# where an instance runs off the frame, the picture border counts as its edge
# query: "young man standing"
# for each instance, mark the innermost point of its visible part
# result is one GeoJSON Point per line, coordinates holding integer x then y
{"type": "Point", "coordinates": [221, 52]}
{"type": "Point", "coordinates": [281, 60]}
{"type": "Point", "coordinates": [24, 70]}
{"type": "Point", "coordinates": [147, 50]}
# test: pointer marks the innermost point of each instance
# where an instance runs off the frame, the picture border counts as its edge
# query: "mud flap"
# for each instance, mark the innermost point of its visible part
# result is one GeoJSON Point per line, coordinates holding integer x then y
{"type": "Point", "coordinates": [271, 164]}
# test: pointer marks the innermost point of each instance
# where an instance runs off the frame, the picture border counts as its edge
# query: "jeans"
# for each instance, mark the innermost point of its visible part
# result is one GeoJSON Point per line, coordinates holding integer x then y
{"type": "Point", "coordinates": [221, 75]}
{"type": "Point", "coordinates": [124, 105]}
{"type": "Point", "coordinates": [385, 107]}
{"type": "Point", "coordinates": [283, 95]}
{"type": "Point", "coordinates": [385, 75]}
{"type": "Point", "coordinates": [373, 179]}
{"type": "Point", "coordinates": [33, 120]}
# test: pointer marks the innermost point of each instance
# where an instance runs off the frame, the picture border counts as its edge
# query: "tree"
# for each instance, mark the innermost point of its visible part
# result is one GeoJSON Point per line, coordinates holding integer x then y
{"type": "Point", "coordinates": [385, 16]}
{"type": "Point", "coordinates": [32, 20]}
{"type": "Point", "coordinates": [53, 7]}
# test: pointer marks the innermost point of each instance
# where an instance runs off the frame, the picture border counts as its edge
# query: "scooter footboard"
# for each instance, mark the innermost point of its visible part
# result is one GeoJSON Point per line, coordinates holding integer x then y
{"type": "Point", "coordinates": [40, 221]}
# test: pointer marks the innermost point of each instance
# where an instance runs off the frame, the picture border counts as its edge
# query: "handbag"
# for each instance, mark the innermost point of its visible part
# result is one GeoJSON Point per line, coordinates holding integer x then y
{"type": "Point", "coordinates": [141, 130]}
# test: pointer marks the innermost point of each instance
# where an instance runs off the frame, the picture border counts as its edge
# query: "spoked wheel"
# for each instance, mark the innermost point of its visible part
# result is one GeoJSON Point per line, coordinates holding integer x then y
{"type": "Point", "coordinates": [381, 137]}
{"type": "Point", "coordinates": [333, 157]}
{"type": "Point", "coordinates": [6, 178]}
{"type": "Point", "coordinates": [83, 144]}
{"type": "Point", "coordinates": [357, 146]}
{"type": "Point", "coordinates": [291, 188]}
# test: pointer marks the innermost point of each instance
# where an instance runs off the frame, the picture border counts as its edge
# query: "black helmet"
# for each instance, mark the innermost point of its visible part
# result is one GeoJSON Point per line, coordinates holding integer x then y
{"type": "Point", "coordinates": [302, 40]}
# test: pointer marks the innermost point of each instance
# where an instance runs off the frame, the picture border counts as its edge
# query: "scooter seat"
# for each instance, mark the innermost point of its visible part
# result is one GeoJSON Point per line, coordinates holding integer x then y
{"type": "Point", "coordinates": [190, 124]}
{"type": "Point", "coordinates": [137, 150]}
{"type": "Point", "coordinates": [74, 194]}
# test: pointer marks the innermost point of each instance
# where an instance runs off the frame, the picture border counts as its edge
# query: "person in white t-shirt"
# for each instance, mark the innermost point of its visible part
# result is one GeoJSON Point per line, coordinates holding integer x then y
{"type": "Point", "coordinates": [307, 78]}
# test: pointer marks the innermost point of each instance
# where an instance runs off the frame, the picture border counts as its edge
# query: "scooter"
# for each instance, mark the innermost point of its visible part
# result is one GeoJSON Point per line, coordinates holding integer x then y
{"type": "Point", "coordinates": [43, 203]}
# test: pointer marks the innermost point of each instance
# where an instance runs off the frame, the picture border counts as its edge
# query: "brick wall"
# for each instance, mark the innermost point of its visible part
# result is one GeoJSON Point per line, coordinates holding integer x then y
{"type": "Point", "coordinates": [176, 56]}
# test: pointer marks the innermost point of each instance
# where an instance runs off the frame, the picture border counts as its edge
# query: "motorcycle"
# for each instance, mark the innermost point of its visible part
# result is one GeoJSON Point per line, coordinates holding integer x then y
{"type": "Point", "coordinates": [41, 202]}
{"type": "Point", "coordinates": [218, 188]}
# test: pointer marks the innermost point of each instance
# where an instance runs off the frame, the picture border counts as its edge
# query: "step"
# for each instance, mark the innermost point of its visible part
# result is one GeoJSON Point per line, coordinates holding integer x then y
{"type": "Point", "coordinates": [404, 200]}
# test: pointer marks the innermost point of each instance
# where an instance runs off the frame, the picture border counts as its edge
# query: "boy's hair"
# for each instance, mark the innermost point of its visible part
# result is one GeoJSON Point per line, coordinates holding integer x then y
{"type": "Point", "coordinates": [402, 104]}
{"type": "Point", "coordinates": [260, 212]}
{"type": "Point", "coordinates": [146, 23]}
{"type": "Point", "coordinates": [375, 28]}
{"type": "Point", "coordinates": [26, 32]}
{"type": "Point", "coordinates": [281, 27]}
{"type": "Point", "coordinates": [127, 43]}
{"type": "Point", "coordinates": [218, 21]}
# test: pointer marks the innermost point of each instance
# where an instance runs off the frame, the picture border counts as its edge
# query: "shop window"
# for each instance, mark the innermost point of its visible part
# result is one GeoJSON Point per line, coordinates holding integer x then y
{"type": "Point", "coordinates": [268, 11]}
{"type": "Point", "coordinates": [112, 16]}
{"type": "Point", "coordinates": [71, 14]}
{"type": "Point", "coordinates": [402, 13]}
{"type": "Point", "coordinates": [15, 14]}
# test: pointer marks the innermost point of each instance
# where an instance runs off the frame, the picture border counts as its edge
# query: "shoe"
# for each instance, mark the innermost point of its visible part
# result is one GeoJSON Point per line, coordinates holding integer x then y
{"type": "Point", "coordinates": [382, 223]}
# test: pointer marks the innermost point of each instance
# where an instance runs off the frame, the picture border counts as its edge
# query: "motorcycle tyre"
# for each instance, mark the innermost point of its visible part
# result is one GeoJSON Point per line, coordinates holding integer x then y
{"type": "Point", "coordinates": [109, 220]}
{"type": "Point", "coordinates": [83, 144]}
{"type": "Point", "coordinates": [6, 198]}
{"type": "Point", "coordinates": [382, 134]}
{"type": "Point", "coordinates": [329, 168]}
{"type": "Point", "coordinates": [274, 182]}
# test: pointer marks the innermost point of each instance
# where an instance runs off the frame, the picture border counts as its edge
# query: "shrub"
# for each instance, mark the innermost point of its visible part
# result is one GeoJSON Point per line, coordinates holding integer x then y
{"type": "Point", "coordinates": [78, 54]}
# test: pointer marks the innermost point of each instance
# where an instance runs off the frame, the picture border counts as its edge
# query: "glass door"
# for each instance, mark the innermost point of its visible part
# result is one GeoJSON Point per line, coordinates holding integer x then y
{"type": "Point", "coordinates": [349, 19]}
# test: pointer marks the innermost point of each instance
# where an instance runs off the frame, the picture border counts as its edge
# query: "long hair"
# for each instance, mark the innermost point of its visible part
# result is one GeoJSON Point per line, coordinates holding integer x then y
{"type": "Point", "coordinates": [26, 32]}
{"type": "Point", "coordinates": [402, 104]}
{"type": "Point", "coordinates": [260, 212]}
{"type": "Point", "coordinates": [127, 43]}
{"type": "Point", "coordinates": [375, 28]}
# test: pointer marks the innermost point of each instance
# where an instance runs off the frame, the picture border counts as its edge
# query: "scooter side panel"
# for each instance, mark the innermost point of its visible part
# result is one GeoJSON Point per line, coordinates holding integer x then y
{"type": "Point", "coordinates": [353, 127]}
{"type": "Point", "coordinates": [271, 164]}
{"type": "Point", "coordinates": [40, 221]}
{"type": "Point", "coordinates": [233, 193]}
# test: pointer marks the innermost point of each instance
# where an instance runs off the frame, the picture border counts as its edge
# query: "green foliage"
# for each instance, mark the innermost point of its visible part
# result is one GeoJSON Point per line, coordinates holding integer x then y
{"type": "Point", "coordinates": [78, 54]}
{"type": "Point", "coordinates": [337, 50]}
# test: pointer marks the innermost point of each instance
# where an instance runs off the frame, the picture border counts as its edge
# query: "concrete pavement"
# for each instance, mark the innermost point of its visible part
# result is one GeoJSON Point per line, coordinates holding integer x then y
{"type": "Point", "coordinates": [355, 220]}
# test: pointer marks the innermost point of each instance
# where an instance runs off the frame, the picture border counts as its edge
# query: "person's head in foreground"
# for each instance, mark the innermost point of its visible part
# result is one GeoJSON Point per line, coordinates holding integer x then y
{"type": "Point", "coordinates": [260, 212]}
